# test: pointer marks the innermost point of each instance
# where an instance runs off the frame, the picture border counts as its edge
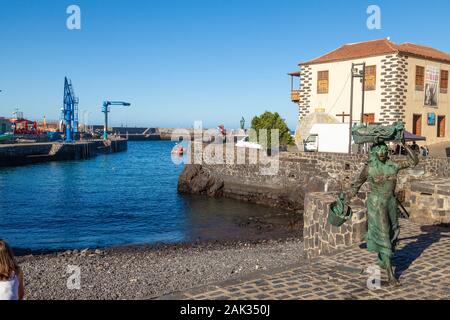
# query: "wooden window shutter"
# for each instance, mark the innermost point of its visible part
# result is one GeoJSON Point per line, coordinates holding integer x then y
{"type": "Point", "coordinates": [420, 78]}
{"type": "Point", "coordinates": [371, 78]}
{"type": "Point", "coordinates": [322, 82]}
{"type": "Point", "coordinates": [444, 81]}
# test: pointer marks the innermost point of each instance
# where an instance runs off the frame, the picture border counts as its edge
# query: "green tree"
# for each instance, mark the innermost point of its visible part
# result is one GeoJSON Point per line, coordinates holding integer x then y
{"type": "Point", "coordinates": [269, 121]}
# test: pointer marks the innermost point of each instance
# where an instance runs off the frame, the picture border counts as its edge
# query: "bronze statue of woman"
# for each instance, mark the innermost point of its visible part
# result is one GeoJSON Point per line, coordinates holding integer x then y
{"type": "Point", "coordinates": [383, 227]}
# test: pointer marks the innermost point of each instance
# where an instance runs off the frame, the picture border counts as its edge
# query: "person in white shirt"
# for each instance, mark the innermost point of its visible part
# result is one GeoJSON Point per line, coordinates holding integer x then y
{"type": "Point", "coordinates": [11, 277]}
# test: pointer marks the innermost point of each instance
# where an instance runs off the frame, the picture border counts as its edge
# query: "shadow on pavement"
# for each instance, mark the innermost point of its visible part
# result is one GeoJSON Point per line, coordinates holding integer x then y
{"type": "Point", "coordinates": [409, 253]}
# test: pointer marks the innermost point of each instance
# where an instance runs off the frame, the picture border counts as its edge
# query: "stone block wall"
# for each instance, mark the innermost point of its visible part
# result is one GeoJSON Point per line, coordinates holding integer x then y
{"type": "Point", "coordinates": [299, 174]}
{"type": "Point", "coordinates": [394, 84]}
{"type": "Point", "coordinates": [429, 201]}
{"type": "Point", "coordinates": [321, 238]}
{"type": "Point", "coordinates": [306, 89]}
{"type": "Point", "coordinates": [15, 154]}
{"type": "Point", "coordinates": [23, 154]}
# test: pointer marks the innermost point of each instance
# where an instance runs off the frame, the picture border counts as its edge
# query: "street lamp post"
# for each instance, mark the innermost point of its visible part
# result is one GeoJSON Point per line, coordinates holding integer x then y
{"type": "Point", "coordinates": [356, 73]}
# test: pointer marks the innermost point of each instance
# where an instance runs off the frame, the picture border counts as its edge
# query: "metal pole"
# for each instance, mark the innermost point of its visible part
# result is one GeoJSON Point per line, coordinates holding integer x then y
{"type": "Point", "coordinates": [105, 132]}
{"type": "Point", "coordinates": [68, 126]}
{"type": "Point", "coordinates": [351, 114]}
{"type": "Point", "coordinates": [363, 92]}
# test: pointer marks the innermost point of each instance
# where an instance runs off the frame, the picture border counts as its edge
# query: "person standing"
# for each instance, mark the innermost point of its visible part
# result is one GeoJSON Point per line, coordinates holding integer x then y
{"type": "Point", "coordinates": [11, 277]}
{"type": "Point", "coordinates": [415, 147]}
{"type": "Point", "coordinates": [423, 152]}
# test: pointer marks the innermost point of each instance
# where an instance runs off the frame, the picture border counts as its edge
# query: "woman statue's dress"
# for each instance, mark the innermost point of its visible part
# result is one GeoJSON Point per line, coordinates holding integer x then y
{"type": "Point", "coordinates": [383, 226]}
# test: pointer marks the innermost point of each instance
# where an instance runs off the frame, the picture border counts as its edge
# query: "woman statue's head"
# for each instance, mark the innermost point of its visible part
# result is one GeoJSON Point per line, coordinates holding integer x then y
{"type": "Point", "coordinates": [379, 152]}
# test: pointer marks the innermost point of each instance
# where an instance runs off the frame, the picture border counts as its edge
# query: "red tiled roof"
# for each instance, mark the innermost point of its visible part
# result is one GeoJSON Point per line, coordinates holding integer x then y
{"type": "Point", "coordinates": [378, 48]}
{"type": "Point", "coordinates": [424, 52]}
{"type": "Point", "coordinates": [294, 73]}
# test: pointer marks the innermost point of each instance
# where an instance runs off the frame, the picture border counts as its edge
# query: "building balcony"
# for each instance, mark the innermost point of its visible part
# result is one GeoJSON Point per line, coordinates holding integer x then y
{"type": "Point", "coordinates": [295, 96]}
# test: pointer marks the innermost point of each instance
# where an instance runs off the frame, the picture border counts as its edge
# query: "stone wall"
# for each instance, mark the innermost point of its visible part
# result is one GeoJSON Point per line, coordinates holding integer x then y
{"type": "Point", "coordinates": [394, 84]}
{"type": "Point", "coordinates": [169, 133]}
{"type": "Point", "coordinates": [15, 153]}
{"type": "Point", "coordinates": [299, 174]}
{"type": "Point", "coordinates": [429, 201]}
{"type": "Point", "coordinates": [306, 87]}
{"type": "Point", "coordinates": [321, 238]}
{"type": "Point", "coordinates": [23, 154]}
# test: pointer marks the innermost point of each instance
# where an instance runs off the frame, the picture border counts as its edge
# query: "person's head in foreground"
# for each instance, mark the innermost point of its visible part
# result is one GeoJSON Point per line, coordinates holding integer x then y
{"type": "Point", "coordinates": [11, 277]}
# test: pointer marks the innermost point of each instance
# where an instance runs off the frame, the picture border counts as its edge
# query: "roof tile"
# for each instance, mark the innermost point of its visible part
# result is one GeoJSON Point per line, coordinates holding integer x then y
{"type": "Point", "coordinates": [378, 48]}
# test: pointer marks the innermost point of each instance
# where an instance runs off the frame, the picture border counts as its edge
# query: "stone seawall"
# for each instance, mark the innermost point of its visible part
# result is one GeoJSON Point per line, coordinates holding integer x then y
{"type": "Point", "coordinates": [429, 201]}
{"type": "Point", "coordinates": [23, 150]}
{"type": "Point", "coordinates": [298, 174]}
{"type": "Point", "coordinates": [23, 154]}
{"type": "Point", "coordinates": [152, 134]}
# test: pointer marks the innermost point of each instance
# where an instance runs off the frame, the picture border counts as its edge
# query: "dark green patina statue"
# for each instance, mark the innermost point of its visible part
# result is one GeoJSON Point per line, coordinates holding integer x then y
{"type": "Point", "coordinates": [242, 123]}
{"type": "Point", "coordinates": [381, 174]}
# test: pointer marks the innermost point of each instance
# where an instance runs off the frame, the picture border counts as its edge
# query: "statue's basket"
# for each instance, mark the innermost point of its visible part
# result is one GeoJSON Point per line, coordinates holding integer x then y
{"type": "Point", "coordinates": [338, 214]}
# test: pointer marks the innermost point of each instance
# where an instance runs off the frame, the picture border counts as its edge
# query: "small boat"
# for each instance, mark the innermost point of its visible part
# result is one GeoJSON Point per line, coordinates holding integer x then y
{"type": "Point", "coordinates": [178, 150]}
{"type": "Point", "coordinates": [6, 136]}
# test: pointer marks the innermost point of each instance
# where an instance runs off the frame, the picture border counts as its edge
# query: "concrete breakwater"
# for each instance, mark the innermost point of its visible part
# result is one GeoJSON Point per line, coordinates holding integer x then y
{"type": "Point", "coordinates": [298, 174]}
{"type": "Point", "coordinates": [29, 153]}
{"type": "Point", "coordinates": [151, 134]}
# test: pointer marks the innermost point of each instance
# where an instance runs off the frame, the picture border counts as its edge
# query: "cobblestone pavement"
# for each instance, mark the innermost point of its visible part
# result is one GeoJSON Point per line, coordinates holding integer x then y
{"type": "Point", "coordinates": [422, 264]}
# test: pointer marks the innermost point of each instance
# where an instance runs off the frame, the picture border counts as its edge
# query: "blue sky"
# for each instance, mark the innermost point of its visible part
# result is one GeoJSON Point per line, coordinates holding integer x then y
{"type": "Point", "coordinates": [180, 61]}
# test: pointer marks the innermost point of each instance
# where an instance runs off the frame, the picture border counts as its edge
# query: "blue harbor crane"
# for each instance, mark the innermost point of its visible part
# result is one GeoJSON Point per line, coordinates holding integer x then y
{"type": "Point", "coordinates": [70, 110]}
{"type": "Point", "coordinates": [105, 110]}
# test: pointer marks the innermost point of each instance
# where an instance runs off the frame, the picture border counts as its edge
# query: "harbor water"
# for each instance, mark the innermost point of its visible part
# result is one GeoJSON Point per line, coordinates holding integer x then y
{"type": "Point", "coordinates": [119, 199]}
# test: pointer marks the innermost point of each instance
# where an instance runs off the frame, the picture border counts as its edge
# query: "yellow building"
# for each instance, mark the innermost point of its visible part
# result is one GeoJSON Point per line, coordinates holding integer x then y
{"type": "Point", "coordinates": [405, 82]}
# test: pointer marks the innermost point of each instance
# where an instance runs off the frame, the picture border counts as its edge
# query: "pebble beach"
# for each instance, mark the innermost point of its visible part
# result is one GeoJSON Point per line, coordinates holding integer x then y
{"type": "Point", "coordinates": [148, 272]}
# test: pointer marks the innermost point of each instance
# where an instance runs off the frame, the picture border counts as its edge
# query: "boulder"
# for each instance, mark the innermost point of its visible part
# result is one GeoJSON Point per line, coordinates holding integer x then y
{"type": "Point", "coordinates": [196, 180]}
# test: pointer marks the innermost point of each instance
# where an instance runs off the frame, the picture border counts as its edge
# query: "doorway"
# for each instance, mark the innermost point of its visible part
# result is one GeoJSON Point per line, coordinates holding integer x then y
{"type": "Point", "coordinates": [417, 124]}
{"type": "Point", "coordinates": [441, 127]}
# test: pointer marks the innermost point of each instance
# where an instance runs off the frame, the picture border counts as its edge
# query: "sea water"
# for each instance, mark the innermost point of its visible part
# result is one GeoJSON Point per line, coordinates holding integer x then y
{"type": "Point", "coordinates": [111, 200]}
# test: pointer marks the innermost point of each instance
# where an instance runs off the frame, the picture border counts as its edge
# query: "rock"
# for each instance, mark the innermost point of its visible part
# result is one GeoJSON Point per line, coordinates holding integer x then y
{"type": "Point", "coordinates": [196, 180]}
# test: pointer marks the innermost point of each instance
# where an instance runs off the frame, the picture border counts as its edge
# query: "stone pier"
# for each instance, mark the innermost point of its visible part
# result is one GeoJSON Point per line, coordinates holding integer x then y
{"type": "Point", "coordinates": [29, 153]}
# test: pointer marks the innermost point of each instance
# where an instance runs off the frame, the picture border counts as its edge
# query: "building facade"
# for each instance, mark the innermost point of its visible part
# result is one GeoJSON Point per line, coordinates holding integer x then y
{"type": "Point", "coordinates": [407, 83]}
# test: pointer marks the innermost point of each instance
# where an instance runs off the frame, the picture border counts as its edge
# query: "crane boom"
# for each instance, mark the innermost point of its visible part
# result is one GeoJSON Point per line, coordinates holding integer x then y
{"type": "Point", "coordinates": [105, 110]}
